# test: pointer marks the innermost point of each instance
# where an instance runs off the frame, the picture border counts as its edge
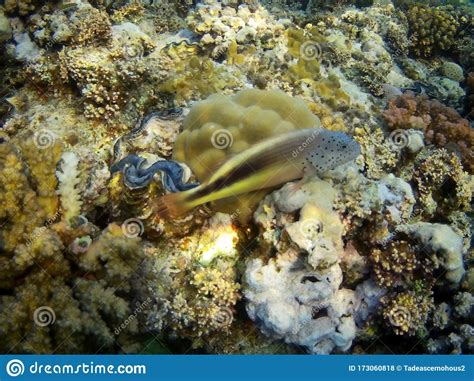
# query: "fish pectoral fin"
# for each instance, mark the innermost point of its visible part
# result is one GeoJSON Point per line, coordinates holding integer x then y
{"type": "Point", "coordinates": [310, 171]}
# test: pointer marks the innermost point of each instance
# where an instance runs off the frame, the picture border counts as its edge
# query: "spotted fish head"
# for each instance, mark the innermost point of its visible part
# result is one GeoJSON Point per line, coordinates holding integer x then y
{"type": "Point", "coordinates": [331, 149]}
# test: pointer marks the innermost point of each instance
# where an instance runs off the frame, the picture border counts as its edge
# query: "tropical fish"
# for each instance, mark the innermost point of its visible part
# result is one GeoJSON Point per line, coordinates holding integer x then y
{"type": "Point", "coordinates": [268, 163]}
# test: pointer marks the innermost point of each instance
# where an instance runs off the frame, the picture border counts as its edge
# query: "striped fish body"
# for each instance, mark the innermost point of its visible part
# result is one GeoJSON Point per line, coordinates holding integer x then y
{"type": "Point", "coordinates": [269, 163]}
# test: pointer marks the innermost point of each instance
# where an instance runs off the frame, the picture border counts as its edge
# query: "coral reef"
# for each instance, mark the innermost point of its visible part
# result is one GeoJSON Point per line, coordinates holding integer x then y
{"type": "Point", "coordinates": [105, 106]}
{"type": "Point", "coordinates": [197, 287]}
{"type": "Point", "coordinates": [443, 245]}
{"type": "Point", "coordinates": [83, 307]}
{"type": "Point", "coordinates": [441, 125]}
{"type": "Point", "coordinates": [307, 309]}
{"type": "Point", "coordinates": [322, 315]}
{"type": "Point", "coordinates": [406, 312]}
{"type": "Point", "coordinates": [431, 29]}
{"type": "Point", "coordinates": [28, 183]}
{"type": "Point", "coordinates": [219, 26]}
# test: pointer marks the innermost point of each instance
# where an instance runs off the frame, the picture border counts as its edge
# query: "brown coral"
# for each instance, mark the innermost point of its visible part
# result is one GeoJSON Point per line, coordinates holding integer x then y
{"type": "Point", "coordinates": [85, 293]}
{"type": "Point", "coordinates": [406, 312]}
{"type": "Point", "coordinates": [92, 26]}
{"type": "Point", "coordinates": [442, 185]}
{"type": "Point", "coordinates": [442, 125]}
{"type": "Point", "coordinates": [431, 29]}
{"type": "Point", "coordinates": [470, 96]}
{"type": "Point", "coordinates": [397, 264]}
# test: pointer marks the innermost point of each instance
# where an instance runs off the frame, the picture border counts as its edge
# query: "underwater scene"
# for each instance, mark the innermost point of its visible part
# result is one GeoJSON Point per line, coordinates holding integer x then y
{"type": "Point", "coordinates": [236, 177]}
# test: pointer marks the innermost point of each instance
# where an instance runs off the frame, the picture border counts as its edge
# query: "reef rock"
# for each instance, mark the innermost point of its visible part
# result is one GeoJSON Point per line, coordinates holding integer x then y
{"type": "Point", "coordinates": [300, 305]}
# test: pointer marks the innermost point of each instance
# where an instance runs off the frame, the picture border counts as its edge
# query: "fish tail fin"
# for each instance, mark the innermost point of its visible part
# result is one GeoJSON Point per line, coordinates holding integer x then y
{"type": "Point", "coordinates": [172, 205]}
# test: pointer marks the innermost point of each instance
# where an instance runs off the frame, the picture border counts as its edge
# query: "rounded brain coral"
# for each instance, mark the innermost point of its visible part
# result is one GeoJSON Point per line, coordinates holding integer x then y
{"type": "Point", "coordinates": [221, 126]}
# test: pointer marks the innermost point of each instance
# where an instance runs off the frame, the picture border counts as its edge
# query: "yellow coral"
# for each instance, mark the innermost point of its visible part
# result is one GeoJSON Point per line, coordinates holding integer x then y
{"type": "Point", "coordinates": [406, 312]}
{"type": "Point", "coordinates": [434, 170]}
{"type": "Point", "coordinates": [132, 11]}
{"type": "Point", "coordinates": [380, 155]}
{"type": "Point", "coordinates": [432, 29]}
{"type": "Point", "coordinates": [92, 26]}
{"type": "Point", "coordinates": [197, 77]}
{"type": "Point", "coordinates": [27, 199]}
{"type": "Point", "coordinates": [222, 126]}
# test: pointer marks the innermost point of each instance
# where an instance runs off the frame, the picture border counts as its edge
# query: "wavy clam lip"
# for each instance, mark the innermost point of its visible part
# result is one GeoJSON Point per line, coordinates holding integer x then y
{"type": "Point", "coordinates": [136, 175]}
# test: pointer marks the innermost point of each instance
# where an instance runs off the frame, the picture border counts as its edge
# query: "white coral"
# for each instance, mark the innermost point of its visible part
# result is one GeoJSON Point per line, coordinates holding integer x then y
{"type": "Point", "coordinates": [302, 306]}
{"type": "Point", "coordinates": [446, 246]}
{"type": "Point", "coordinates": [68, 177]}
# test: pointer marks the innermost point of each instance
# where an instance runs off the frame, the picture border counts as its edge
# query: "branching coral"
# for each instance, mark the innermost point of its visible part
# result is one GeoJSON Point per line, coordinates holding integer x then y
{"type": "Point", "coordinates": [406, 312]}
{"type": "Point", "coordinates": [441, 183]}
{"type": "Point", "coordinates": [441, 125]}
{"type": "Point", "coordinates": [131, 12]}
{"type": "Point", "coordinates": [92, 26]}
{"type": "Point", "coordinates": [28, 189]}
{"type": "Point", "coordinates": [23, 7]}
{"type": "Point", "coordinates": [84, 293]}
{"type": "Point", "coordinates": [394, 264]}
{"type": "Point", "coordinates": [380, 155]}
{"type": "Point", "coordinates": [68, 177]}
{"type": "Point", "coordinates": [442, 245]}
{"type": "Point", "coordinates": [431, 30]}
{"type": "Point", "coordinates": [104, 77]}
